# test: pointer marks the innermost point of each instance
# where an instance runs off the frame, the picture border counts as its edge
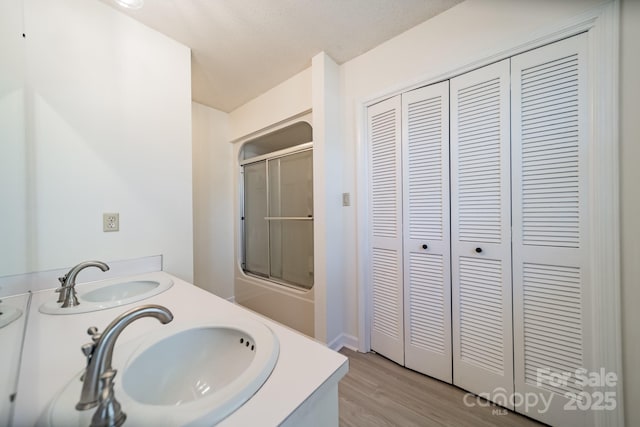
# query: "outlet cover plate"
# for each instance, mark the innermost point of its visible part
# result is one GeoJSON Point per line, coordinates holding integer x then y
{"type": "Point", "coordinates": [110, 222]}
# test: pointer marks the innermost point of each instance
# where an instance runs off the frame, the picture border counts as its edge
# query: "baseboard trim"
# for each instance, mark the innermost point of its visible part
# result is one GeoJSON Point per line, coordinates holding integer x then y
{"type": "Point", "coordinates": [344, 340]}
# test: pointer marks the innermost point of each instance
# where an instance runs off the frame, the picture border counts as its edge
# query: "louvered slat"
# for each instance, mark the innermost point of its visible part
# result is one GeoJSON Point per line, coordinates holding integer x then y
{"type": "Point", "coordinates": [552, 297]}
{"type": "Point", "coordinates": [549, 108]}
{"type": "Point", "coordinates": [425, 168]}
{"type": "Point", "coordinates": [384, 174]}
{"type": "Point", "coordinates": [479, 197]}
{"type": "Point", "coordinates": [386, 313]}
{"type": "Point", "coordinates": [427, 305]}
{"type": "Point", "coordinates": [481, 317]}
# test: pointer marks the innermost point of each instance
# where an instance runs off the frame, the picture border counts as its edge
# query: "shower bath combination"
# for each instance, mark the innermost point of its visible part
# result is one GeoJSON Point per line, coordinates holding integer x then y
{"type": "Point", "coordinates": [275, 274]}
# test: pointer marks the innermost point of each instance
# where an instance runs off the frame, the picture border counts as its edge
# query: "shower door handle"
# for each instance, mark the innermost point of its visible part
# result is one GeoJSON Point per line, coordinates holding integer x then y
{"type": "Point", "coordinates": [288, 218]}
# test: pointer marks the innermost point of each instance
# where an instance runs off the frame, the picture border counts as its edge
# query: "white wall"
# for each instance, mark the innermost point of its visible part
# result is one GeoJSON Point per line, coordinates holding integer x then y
{"type": "Point", "coordinates": [108, 105]}
{"type": "Point", "coordinates": [286, 100]}
{"type": "Point", "coordinates": [630, 205]}
{"type": "Point", "coordinates": [213, 172]}
{"type": "Point", "coordinates": [13, 166]}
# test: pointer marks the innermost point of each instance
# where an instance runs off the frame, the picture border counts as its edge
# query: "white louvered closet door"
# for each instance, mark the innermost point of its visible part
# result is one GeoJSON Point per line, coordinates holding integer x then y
{"type": "Point", "coordinates": [385, 202]}
{"type": "Point", "coordinates": [427, 278]}
{"type": "Point", "coordinates": [550, 218]}
{"type": "Point", "coordinates": [481, 238]}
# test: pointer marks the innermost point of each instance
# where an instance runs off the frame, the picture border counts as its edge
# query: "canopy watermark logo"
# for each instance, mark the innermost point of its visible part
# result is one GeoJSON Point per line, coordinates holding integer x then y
{"type": "Point", "coordinates": [528, 401]}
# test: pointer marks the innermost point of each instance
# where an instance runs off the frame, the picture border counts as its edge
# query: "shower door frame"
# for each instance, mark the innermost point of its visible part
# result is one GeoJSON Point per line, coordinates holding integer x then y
{"type": "Point", "coordinates": [301, 148]}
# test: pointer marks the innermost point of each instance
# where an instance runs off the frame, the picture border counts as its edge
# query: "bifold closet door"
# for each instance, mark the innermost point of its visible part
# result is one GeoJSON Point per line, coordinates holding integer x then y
{"type": "Point", "coordinates": [481, 238]}
{"type": "Point", "coordinates": [385, 209]}
{"type": "Point", "coordinates": [427, 279]}
{"type": "Point", "coordinates": [550, 240]}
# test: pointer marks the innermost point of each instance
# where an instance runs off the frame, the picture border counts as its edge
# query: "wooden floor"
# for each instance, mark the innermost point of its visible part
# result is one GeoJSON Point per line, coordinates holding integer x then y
{"type": "Point", "coordinates": [378, 392]}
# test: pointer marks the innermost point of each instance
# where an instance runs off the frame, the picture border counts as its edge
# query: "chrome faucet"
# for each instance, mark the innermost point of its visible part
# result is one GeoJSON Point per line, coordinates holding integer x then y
{"type": "Point", "coordinates": [97, 387]}
{"type": "Point", "coordinates": [67, 289]}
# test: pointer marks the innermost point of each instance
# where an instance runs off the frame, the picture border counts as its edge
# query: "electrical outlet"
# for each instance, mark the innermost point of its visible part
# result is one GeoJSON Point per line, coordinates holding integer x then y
{"type": "Point", "coordinates": [110, 222]}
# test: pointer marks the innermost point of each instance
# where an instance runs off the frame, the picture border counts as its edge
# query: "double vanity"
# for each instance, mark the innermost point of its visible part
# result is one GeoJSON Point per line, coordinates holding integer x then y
{"type": "Point", "coordinates": [151, 349]}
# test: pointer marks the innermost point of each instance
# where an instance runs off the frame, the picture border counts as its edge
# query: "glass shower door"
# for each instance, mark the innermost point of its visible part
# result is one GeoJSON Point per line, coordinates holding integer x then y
{"type": "Point", "coordinates": [291, 219]}
{"type": "Point", "coordinates": [256, 228]}
{"type": "Point", "coordinates": [278, 219]}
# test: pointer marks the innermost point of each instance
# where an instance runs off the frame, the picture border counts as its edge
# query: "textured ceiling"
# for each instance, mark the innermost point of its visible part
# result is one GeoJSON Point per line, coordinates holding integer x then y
{"type": "Point", "coordinates": [242, 48]}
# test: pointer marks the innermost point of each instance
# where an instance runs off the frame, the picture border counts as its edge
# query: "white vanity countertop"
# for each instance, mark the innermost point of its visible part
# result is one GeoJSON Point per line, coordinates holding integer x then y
{"type": "Point", "coordinates": [52, 354]}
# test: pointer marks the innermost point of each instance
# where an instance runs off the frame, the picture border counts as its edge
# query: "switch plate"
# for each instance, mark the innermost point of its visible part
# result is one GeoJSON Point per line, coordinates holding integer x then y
{"type": "Point", "coordinates": [110, 222]}
{"type": "Point", "coordinates": [346, 199]}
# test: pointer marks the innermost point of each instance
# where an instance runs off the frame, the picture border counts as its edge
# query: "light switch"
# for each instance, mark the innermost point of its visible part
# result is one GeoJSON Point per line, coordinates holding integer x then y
{"type": "Point", "coordinates": [346, 199]}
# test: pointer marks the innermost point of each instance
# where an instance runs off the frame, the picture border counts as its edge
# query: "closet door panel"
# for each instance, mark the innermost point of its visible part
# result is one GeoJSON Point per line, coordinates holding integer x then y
{"type": "Point", "coordinates": [385, 201]}
{"type": "Point", "coordinates": [550, 216]}
{"type": "Point", "coordinates": [427, 280]}
{"type": "Point", "coordinates": [481, 232]}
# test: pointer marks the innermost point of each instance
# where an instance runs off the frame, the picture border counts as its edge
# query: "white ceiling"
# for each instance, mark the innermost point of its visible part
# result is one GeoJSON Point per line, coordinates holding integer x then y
{"type": "Point", "coordinates": [242, 48]}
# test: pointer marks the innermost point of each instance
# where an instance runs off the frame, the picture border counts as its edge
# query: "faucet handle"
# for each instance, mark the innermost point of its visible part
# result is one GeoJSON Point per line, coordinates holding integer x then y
{"type": "Point", "coordinates": [87, 350]}
{"type": "Point", "coordinates": [94, 334]}
{"type": "Point", "coordinates": [61, 290]}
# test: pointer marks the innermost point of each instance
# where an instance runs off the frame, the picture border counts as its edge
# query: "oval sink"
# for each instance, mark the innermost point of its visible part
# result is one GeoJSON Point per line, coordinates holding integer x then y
{"type": "Point", "coordinates": [192, 375]}
{"type": "Point", "coordinates": [120, 291]}
{"type": "Point", "coordinates": [110, 293]}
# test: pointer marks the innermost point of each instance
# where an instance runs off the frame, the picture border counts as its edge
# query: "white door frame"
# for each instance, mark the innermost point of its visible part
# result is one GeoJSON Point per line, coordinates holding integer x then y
{"type": "Point", "coordinates": [602, 25]}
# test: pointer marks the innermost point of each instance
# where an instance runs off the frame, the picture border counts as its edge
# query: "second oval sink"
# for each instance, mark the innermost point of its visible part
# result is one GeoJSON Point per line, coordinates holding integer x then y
{"type": "Point", "coordinates": [111, 293]}
{"type": "Point", "coordinates": [120, 291]}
